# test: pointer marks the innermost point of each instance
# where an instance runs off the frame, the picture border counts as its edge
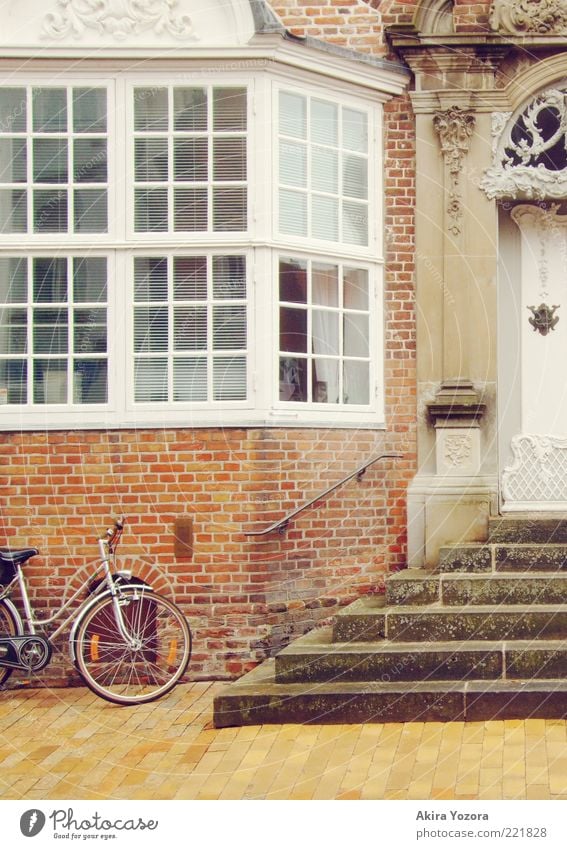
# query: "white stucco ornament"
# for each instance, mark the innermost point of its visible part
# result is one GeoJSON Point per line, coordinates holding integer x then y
{"type": "Point", "coordinates": [119, 19]}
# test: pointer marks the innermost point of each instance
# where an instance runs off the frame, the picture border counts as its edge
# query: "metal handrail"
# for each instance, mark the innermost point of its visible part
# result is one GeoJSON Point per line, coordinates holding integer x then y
{"type": "Point", "coordinates": [282, 524]}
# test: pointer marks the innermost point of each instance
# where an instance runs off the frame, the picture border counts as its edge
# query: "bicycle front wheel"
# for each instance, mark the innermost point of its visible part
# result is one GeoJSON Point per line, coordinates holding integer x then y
{"type": "Point", "coordinates": [145, 666]}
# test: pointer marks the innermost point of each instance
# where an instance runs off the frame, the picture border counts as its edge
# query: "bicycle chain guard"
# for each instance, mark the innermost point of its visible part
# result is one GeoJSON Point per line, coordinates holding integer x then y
{"type": "Point", "coordinates": [30, 653]}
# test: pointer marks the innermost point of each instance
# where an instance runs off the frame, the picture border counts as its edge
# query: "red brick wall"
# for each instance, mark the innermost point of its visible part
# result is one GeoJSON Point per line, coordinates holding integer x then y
{"type": "Point", "coordinates": [244, 597]}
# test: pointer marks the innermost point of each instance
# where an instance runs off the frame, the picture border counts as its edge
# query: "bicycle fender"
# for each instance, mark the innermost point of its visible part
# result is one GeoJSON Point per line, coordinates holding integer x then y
{"type": "Point", "coordinates": [124, 591]}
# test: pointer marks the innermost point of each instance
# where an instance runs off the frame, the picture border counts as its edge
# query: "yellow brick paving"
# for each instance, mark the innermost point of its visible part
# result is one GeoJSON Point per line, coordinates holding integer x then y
{"type": "Point", "coordinates": [67, 744]}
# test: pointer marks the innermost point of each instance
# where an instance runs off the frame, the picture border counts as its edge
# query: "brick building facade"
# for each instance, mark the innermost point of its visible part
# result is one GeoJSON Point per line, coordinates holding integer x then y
{"type": "Point", "coordinates": [63, 477]}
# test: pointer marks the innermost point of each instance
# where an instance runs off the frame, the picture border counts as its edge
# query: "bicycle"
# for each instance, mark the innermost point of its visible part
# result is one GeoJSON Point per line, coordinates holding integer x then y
{"type": "Point", "coordinates": [129, 644]}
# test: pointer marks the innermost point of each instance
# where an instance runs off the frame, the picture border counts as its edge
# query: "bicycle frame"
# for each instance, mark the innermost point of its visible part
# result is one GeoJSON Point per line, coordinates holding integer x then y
{"type": "Point", "coordinates": [32, 623]}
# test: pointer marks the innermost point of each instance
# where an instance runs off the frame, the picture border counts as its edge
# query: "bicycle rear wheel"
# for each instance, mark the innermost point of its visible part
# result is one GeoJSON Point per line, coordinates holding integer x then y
{"type": "Point", "coordinates": [10, 626]}
{"type": "Point", "coordinates": [120, 672]}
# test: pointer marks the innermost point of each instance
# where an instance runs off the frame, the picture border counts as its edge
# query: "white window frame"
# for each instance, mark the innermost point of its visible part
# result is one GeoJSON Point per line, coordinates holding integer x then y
{"type": "Point", "coordinates": [262, 244]}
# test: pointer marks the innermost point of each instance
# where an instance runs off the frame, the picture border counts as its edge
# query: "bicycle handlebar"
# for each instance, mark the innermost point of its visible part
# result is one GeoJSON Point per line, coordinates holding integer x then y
{"type": "Point", "coordinates": [113, 534]}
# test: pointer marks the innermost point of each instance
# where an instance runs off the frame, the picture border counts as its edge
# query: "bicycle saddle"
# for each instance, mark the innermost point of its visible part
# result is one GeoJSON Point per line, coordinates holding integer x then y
{"type": "Point", "coordinates": [16, 556]}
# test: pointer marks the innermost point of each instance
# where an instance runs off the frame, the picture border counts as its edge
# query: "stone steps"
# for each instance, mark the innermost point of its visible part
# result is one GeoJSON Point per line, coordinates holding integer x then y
{"type": "Point", "coordinates": [364, 621]}
{"type": "Point", "coordinates": [412, 587]}
{"type": "Point", "coordinates": [316, 658]}
{"type": "Point", "coordinates": [483, 637]}
{"type": "Point", "coordinates": [256, 699]}
{"type": "Point", "coordinates": [512, 557]}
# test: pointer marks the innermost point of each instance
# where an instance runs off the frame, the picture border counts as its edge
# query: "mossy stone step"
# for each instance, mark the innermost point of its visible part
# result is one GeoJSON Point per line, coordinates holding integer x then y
{"type": "Point", "coordinates": [415, 587]}
{"type": "Point", "coordinates": [503, 529]}
{"type": "Point", "coordinates": [256, 699]}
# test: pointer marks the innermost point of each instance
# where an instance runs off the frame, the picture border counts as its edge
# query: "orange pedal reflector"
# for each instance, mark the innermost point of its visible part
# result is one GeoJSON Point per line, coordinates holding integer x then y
{"type": "Point", "coordinates": [94, 647]}
{"type": "Point", "coordinates": [172, 651]}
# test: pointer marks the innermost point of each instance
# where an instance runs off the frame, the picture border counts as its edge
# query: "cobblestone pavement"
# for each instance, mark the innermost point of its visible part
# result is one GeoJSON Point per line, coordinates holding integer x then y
{"type": "Point", "coordinates": [68, 744]}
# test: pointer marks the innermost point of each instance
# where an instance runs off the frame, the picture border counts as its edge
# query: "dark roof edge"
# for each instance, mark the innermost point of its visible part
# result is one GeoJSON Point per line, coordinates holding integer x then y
{"type": "Point", "coordinates": [349, 53]}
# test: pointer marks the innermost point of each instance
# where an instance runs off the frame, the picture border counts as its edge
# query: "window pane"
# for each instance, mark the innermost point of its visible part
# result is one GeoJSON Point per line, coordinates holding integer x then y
{"type": "Point", "coordinates": [293, 281]}
{"type": "Point", "coordinates": [229, 209]}
{"type": "Point", "coordinates": [89, 331]}
{"type": "Point", "coordinates": [190, 379]}
{"type": "Point", "coordinates": [293, 213]}
{"type": "Point", "coordinates": [151, 210]}
{"type": "Point", "coordinates": [189, 109]}
{"type": "Point", "coordinates": [229, 277]}
{"type": "Point", "coordinates": [190, 160]}
{"type": "Point", "coordinates": [229, 159]}
{"type": "Point", "coordinates": [229, 379]}
{"type": "Point", "coordinates": [229, 109]}
{"type": "Point", "coordinates": [13, 211]}
{"type": "Point", "coordinates": [190, 209]}
{"type": "Point", "coordinates": [50, 331]}
{"type": "Point", "coordinates": [89, 110]}
{"type": "Point", "coordinates": [150, 109]}
{"type": "Point", "coordinates": [293, 115]}
{"type": "Point", "coordinates": [13, 110]}
{"type": "Point", "coordinates": [190, 278]}
{"type": "Point", "coordinates": [150, 380]}
{"type": "Point", "coordinates": [13, 280]}
{"type": "Point", "coordinates": [150, 160]}
{"type": "Point", "coordinates": [50, 211]}
{"type": "Point", "coordinates": [326, 381]}
{"type": "Point", "coordinates": [355, 130]}
{"type": "Point", "coordinates": [90, 161]}
{"type": "Point", "coordinates": [325, 332]}
{"type": "Point", "coordinates": [229, 327]}
{"type": "Point", "coordinates": [49, 107]}
{"type": "Point", "coordinates": [50, 161]}
{"type": "Point", "coordinates": [324, 170]}
{"type": "Point", "coordinates": [355, 223]}
{"type": "Point", "coordinates": [293, 164]}
{"type": "Point", "coordinates": [190, 328]}
{"type": "Point", "coordinates": [90, 211]}
{"type": "Point", "coordinates": [355, 288]}
{"type": "Point", "coordinates": [325, 213]}
{"type": "Point", "coordinates": [356, 335]}
{"type": "Point", "coordinates": [325, 284]}
{"type": "Point", "coordinates": [355, 177]}
{"type": "Point", "coordinates": [293, 330]}
{"type": "Point", "coordinates": [292, 379]}
{"type": "Point", "coordinates": [49, 280]}
{"type": "Point", "coordinates": [13, 381]}
{"type": "Point", "coordinates": [90, 382]}
{"type": "Point", "coordinates": [13, 161]}
{"type": "Point", "coordinates": [150, 279]}
{"type": "Point", "coordinates": [13, 331]}
{"type": "Point", "coordinates": [89, 279]}
{"type": "Point", "coordinates": [356, 383]}
{"type": "Point", "coordinates": [324, 122]}
{"type": "Point", "coordinates": [50, 381]}
{"type": "Point", "coordinates": [150, 329]}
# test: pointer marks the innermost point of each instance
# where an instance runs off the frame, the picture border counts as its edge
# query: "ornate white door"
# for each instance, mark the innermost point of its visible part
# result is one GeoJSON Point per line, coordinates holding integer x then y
{"type": "Point", "coordinates": [536, 479]}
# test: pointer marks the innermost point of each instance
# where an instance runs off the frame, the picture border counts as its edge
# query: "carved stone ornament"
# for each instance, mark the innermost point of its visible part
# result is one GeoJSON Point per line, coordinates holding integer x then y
{"type": "Point", "coordinates": [530, 153]}
{"type": "Point", "coordinates": [457, 449]}
{"type": "Point", "coordinates": [529, 17]}
{"type": "Point", "coordinates": [537, 477]}
{"type": "Point", "coordinates": [117, 18]}
{"type": "Point", "coordinates": [454, 127]}
{"type": "Point", "coordinates": [543, 319]}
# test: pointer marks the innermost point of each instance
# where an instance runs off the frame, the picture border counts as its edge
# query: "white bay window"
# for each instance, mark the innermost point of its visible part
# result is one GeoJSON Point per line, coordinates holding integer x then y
{"type": "Point", "coordinates": [189, 252]}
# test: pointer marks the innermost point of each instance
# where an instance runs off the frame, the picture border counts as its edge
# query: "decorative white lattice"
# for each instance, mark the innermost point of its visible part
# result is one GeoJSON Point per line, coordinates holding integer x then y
{"type": "Point", "coordinates": [538, 475]}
